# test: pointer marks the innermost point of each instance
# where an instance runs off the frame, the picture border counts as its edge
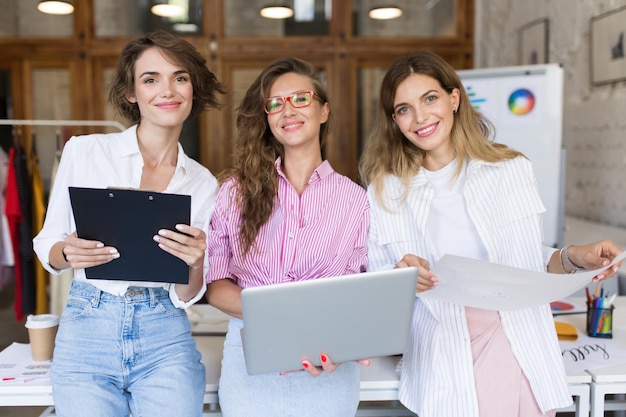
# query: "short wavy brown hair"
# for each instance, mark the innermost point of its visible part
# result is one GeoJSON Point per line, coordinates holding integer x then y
{"type": "Point", "coordinates": [205, 84]}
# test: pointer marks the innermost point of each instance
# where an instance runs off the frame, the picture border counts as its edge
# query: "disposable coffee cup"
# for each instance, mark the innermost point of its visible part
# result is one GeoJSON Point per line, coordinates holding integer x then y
{"type": "Point", "coordinates": [42, 330]}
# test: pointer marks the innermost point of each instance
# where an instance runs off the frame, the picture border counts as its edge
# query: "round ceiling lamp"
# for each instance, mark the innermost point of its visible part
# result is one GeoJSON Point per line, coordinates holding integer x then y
{"type": "Point", "coordinates": [276, 12]}
{"type": "Point", "coordinates": [55, 7]}
{"type": "Point", "coordinates": [167, 10]}
{"type": "Point", "coordinates": [385, 12]}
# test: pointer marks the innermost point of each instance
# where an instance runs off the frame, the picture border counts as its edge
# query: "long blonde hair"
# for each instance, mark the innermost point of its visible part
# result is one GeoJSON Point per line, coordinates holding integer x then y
{"type": "Point", "coordinates": [256, 149]}
{"type": "Point", "coordinates": [389, 152]}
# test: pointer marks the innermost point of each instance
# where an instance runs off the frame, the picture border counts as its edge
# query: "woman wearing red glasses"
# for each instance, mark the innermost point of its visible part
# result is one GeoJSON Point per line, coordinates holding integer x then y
{"type": "Point", "coordinates": [283, 215]}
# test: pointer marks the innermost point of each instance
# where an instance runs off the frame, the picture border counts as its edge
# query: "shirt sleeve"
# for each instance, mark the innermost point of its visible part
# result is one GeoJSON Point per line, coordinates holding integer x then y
{"type": "Point", "coordinates": [359, 260]}
{"type": "Point", "coordinates": [184, 304]}
{"type": "Point", "coordinates": [547, 254]}
{"type": "Point", "coordinates": [59, 221]}
{"type": "Point", "coordinates": [378, 256]}
{"type": "Point", "coordinates": [219, 245]}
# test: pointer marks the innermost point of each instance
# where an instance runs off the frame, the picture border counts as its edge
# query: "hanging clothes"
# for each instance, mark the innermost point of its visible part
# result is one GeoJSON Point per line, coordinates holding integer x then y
{"type": "Point", "coordinates": [6, 247]}
{"type": "Point", "coordinates": [13, 213]}
{"type": "Point", "coordinates": [27, 255]}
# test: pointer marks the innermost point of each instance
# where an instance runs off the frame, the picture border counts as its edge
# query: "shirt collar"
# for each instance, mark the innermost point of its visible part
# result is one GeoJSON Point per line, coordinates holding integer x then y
{"type": "Point", "coordinates": [129, 148]}
{"type": "Point", "coordinates": [323, 171]}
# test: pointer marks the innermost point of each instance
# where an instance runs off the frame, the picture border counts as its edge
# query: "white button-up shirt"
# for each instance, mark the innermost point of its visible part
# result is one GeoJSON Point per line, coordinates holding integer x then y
{"type": "Point", "coordinates": [503, 203]}
{"type": "Point", "coordinates": [114, 160]}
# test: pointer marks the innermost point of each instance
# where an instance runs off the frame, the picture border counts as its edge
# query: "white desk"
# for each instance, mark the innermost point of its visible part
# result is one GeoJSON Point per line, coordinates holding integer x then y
{"type": "Point", "coordinates": [379, 387]}
{"type": "Point", "coordinates": [608, 380]}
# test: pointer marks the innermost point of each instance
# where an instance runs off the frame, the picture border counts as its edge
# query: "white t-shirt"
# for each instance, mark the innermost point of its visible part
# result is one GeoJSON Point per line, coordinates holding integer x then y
{"type": "Point", "coordinates": [449, 224]}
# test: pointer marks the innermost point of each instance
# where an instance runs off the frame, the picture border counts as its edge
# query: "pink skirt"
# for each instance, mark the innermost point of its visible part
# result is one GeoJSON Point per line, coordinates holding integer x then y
{"type": "Point", "coordinates": [501, 387]}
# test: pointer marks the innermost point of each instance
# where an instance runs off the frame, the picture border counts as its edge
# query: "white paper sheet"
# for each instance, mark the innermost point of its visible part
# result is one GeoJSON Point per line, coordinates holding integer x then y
{"type": "Point", "coordinates": [17, 365]}
{"type": "Point", "coordinates": [591, 353]}
{"type": "Point", "coordinates": [487, 285]}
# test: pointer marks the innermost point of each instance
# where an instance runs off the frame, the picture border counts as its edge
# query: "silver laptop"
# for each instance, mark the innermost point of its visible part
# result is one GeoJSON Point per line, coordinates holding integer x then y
{"type": "Point", "coordinates": [348, 317]}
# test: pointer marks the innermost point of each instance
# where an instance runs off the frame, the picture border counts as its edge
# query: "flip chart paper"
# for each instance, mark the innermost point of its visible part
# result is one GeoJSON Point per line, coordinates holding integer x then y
{"type": "Point", "coordinates": [491, 286]}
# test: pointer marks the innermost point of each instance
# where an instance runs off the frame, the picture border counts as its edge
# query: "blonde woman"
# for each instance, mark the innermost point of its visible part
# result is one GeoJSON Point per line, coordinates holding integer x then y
{"type": "Point", "coordinates": [437, 184]}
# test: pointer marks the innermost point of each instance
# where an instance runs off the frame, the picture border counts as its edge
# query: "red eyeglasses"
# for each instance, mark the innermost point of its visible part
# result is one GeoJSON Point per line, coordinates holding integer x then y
{"type": "Point", "coordinates": [298, 100]}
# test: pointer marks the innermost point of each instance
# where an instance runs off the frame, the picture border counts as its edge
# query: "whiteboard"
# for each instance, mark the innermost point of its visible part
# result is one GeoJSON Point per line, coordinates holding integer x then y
{"type": "Point", "coordinates": [525, 104]}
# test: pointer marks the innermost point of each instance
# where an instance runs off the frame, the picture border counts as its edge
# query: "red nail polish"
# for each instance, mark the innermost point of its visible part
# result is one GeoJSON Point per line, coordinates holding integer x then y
{"type": "Point", "coordinates": [323, 358]}
{"type": "Point", "coordinates": [306, 365]}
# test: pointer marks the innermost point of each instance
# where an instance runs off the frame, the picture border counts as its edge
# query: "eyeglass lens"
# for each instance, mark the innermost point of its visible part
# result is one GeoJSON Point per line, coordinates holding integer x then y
{"type": "Point", "coordinates": [299, 99]}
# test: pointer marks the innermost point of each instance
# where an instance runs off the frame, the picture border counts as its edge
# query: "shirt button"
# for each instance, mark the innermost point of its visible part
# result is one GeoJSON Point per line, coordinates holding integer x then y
{"type": "Point", "coordinates": [290, 235]}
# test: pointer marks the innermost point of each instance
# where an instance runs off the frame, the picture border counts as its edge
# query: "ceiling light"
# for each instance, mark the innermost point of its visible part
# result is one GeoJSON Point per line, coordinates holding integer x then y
{"type": "Point", "coordinates": [385, 12]}
{"type": "Point", "coordinates": [167, 10]}
{"type": "Point", "coordinates": [185, 27]}
{"type": "Point", "coordinates": [277, 12]}
{"type": "Point", "coordinates": [55, 7]}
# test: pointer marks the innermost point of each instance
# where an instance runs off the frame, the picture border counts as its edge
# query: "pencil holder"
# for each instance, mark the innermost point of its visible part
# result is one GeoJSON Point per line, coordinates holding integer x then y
{"type": "Point", "coordinates": [599, 321]}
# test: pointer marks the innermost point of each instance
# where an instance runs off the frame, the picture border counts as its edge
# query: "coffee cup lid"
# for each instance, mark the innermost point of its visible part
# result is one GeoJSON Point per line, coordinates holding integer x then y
{"type": "Point", "coordinates": [40, 321]}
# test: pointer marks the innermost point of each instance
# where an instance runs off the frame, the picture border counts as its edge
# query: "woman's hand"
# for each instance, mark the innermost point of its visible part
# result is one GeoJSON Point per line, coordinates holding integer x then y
{"type": "Point", "coordinates": [187, 243]}
{"type": "Point", "coordinates": [596, 255]}
{"type": "Point", "coordinates": [327, 366]}
{"type": "Point", "coordinates": [426, 279]}
{"type": "Point", "coordinates": [83, 253]}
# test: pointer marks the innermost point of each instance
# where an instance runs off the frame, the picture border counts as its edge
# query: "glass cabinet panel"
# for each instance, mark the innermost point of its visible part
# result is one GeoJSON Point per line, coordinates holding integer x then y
{"type": "Point", "coordinates": [304, 18]}
{"type": "Point", "coordinates": [419, 18]}
{"type": "Point", "coordinates": [130, 18]}
{"type": "Point", "coordinates": [21, 19]}
{"type": "Point", "coordinates": [109, 112]}
{"type": "Point", "coordinates": [52, 100]}
{"type": "Point", "coordinates": [242, 78]}
{"type": "Point", "coordinates": [370, 80]}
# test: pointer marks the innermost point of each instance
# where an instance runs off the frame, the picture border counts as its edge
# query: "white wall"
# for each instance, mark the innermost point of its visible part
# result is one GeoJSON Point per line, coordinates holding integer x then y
{"type": "Point", "coordinates": [594, 117]}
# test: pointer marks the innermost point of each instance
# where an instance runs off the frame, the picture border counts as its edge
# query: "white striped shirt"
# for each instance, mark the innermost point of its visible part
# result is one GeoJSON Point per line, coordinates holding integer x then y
{"type": "Point", "coordinates": [321, 233]}
{"type": "Point", "coordinates": [503, 203]}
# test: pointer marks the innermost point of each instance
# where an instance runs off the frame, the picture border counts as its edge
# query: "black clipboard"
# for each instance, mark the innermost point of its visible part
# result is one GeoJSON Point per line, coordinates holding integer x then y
{"type": "Point", "coordinates": [127, 220]}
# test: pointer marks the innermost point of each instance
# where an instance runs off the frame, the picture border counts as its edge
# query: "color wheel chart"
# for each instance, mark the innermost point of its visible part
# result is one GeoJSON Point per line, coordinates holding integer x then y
{"type": "Point", "coordinates": [521, 101]}
{"type": "Point", "coordinates": [525, 105]}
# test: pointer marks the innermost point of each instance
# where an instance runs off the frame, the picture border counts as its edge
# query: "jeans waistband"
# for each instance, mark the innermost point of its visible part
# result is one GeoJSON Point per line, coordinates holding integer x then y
{"type": "Point", "coordinates": [134, 294]}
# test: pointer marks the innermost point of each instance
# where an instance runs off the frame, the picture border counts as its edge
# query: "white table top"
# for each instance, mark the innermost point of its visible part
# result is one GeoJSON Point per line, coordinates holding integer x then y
{"type": "Point", "coordinates": [379, 381]}
{"type": "Point", "coordinates": [610, 374]}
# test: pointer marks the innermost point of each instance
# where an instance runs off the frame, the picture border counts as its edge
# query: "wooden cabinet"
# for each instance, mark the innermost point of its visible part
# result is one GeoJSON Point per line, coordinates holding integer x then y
{"type": "Point", "coordinates": [352, 51]}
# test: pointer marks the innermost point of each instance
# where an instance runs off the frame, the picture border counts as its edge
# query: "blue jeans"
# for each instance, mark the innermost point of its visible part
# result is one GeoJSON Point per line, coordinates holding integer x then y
{"type": "Point", "coordinates": [119, 355]}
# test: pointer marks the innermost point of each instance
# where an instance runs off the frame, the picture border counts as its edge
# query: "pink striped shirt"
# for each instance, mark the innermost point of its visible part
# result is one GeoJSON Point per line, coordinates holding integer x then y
{"type": "Point", "coordinates": [321, 233]}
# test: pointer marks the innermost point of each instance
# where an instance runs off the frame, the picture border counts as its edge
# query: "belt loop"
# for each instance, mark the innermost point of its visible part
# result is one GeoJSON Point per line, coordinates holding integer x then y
{"type": "Point", "coordinates": [96, 297]}
{"type": "Point", "coordinates": [153, 298]}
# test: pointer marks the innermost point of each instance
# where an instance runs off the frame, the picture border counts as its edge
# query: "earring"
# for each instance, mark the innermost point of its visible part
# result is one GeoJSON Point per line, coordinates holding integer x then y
{"type": "Point", "coordinates": [455, 110]}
